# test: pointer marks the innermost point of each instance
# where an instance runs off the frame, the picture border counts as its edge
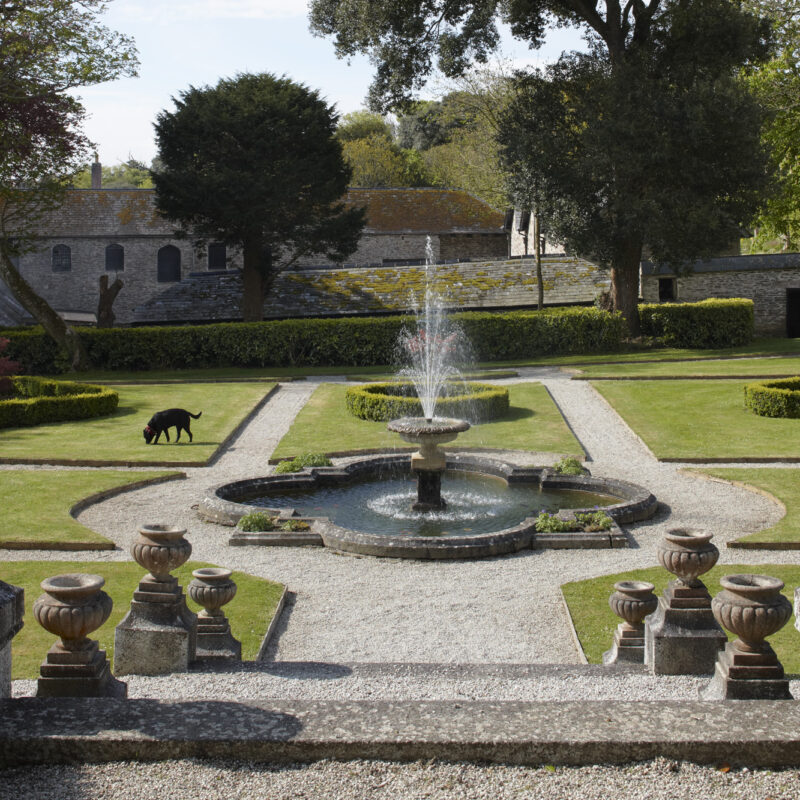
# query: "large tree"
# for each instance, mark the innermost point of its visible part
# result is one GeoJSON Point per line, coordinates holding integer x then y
{"type": "Point", "coordinates": [631, 42]}
{"type": "Point", "coordinates": [777, 85]}
{"type": "Point", "coordinates": [254, 162]}
{"type": "Point", "coordinates": [47, 47]}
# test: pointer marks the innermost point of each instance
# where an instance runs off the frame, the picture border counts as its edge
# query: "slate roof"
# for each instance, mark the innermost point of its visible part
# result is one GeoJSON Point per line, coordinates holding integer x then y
{"type": "Point", "coordinates": [131, 212]}
{"type": "Point", "coordinates": [425, 211]}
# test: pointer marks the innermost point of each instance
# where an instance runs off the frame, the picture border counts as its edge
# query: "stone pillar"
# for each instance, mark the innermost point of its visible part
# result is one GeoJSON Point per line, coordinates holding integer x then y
{"type": "Point", "coordinates": [12, 611]}
{"type": "Point", "coordinates": [633, 601]}
{"type": "Point", "coordinates": [752, 607]}
{"type": "Point", "coordinates": [213, 588]}
{"type": "Point", "coordinates": [72, 607]}
{"type": "Point", "coordinates": [681, 636]}
{"type": "Point", "coordinates": [159, 634]}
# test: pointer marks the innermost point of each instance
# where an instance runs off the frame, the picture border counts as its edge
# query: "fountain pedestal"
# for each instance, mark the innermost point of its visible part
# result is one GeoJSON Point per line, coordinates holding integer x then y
{"type": "Point", "coordinates": [429, 462]}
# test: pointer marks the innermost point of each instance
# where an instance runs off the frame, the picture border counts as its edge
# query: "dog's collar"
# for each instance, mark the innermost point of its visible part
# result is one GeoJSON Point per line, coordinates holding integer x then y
{"type": "Point", "coordinates": [148, 429]}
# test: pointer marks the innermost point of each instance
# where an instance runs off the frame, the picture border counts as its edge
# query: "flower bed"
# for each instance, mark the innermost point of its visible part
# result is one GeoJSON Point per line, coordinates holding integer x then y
{"type": "Point", "coordinates": [476, 402]}
{"type": "Point", "coordinates": [778, 398]}
{"type": "Point", "coordinates": [38, 400]}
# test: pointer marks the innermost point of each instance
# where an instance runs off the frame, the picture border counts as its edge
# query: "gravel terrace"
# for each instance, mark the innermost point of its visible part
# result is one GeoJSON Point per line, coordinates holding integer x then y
{"type": "Point", "coordinates": [347, 610]}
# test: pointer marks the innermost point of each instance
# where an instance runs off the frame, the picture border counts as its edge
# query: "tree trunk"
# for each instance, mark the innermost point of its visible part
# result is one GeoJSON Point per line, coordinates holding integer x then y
{"type": "Point", "coordinates": [539, 279]}
{"type": "Point", "coordinates": [105, 313]}
{"type": "Point", "coordinates": [252, 281]}
{"type": "Point", "coordinates": [625, 285]}
{"type": "Point", "coordinates": [41, 311]}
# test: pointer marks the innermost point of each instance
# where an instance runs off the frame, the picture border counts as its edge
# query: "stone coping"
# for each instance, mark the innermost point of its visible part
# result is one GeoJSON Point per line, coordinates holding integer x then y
{"type": "Point", "coordinates": [636, 503]}
{"type": "Point", "coordinates": [759, 733]}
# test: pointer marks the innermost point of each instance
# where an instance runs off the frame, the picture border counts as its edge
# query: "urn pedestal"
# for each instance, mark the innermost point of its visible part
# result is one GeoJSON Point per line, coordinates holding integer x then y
{"type": "Point", "coordinates": [12, 611]}
{"type": "Point", "coordinates": [681, 635]}
{"type": "Point", "coordinates": [159, 633]}
{"type": "Point", "coordinates": [72, 607]}
{"type": "Point", "coordinates": [752, 607]}
{"type": "Point", "coordinates": [213, 588]}
{"type": "Point", "coordinates": [633, 601]}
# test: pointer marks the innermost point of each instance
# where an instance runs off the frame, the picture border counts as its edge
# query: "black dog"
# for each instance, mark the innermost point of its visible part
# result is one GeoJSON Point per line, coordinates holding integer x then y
{"type": "Point", "coordinates": [172, 417]}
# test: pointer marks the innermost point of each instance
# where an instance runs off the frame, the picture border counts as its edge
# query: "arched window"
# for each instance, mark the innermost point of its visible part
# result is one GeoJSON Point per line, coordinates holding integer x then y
{"type": "Point", "coordinates": [115, 258]}
{"type": "Point", "coordinates": [61, 258]}
{"type": "Point", "coordinates": [169, 264]}
{"type": "Point", "coordinates": [217, 256]}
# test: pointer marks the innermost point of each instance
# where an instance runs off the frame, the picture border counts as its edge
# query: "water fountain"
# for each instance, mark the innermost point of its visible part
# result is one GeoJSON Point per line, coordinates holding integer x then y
{"type": "Point", "coordinates": [489, 506]}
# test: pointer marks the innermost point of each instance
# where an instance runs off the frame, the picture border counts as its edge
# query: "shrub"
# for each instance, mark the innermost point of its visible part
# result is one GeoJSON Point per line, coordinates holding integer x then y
{"type": "Point", "coordinates": [39, 401]}
{"type": "Point", "coordinates": [713, 323]}
{"type": "Point", "coordinates": [593, 520]}
{"type": "Point", "coordinates": [583, 521]}
{"type": "Point", "coordinates": [303, 461]}
{"type": "Point", "coordinates": [7, 368]}
{"type": "Point", "coordinates": [346, 341]}
{"type": "Point", "coordinates": [257, 521]}
{"type": "Point", "coordinates": [477, 402]}
{"type": "Point", "coordinates": [778, 398]}
{"type": "Point", "coordinates": [568, 466]}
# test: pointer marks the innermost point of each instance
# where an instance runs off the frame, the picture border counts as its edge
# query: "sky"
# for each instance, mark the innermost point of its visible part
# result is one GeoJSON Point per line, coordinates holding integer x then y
{"type": "Point", "coordinates": [186, 43]}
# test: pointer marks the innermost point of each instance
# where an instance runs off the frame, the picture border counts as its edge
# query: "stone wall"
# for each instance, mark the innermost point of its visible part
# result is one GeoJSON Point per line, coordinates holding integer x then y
{"type": "Point", "coordinates": [763, 279]}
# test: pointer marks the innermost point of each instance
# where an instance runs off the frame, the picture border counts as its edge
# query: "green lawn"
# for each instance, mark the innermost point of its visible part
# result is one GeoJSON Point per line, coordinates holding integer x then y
{"type": "Point", "coordinates": [595, 622]}
{"type": "Point", "coordinates": [325, 425]}
{"type": "Point", "coordinates": [730, 367]}
{"type": "Point", "coordinates": [700, 420]}
{"type": "Point", "coordinates": [36, 506]}
{"type": "Point", "coordinates": [250, 612]}
{"type": "Point", "coordinates": [117, 439]}
{"type": "Point", "coordinates": [782, 484]}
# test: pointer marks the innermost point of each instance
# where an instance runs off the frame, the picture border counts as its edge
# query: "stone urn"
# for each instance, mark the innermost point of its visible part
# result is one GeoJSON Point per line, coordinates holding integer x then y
{"type": "Point", "coordinates": [687, 554]}
{"type": "Point", "coordinates": [752, 607]}
{"type": "Point", "coordinates": [160, 549]}
{"type": "Point", "coordinates": [72, 607]}
{"type": "Point", "coordinates": [211, 588]}
{"type": "Point", "coordinates": [633, 601]}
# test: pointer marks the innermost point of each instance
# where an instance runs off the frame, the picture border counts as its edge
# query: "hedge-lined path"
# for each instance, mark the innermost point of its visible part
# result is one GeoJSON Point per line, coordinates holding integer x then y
{"type": "Point", "coordinates": [509, 609]}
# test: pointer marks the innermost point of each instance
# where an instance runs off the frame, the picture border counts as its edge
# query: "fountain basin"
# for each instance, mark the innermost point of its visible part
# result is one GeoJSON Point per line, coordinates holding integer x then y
{"type": "Point", "coordinates": [627, 502]}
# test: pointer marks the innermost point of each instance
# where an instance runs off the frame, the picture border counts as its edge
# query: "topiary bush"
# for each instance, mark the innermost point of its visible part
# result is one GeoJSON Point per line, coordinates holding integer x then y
{"type": "Point", "coordinates": [477, 402]}
{"type": "Point", "coordinates": [346, 341]}
{"type": "Point", "coordinates": [38, 400]}
{"type": "Point", "coordinates": [711, 324]}
{"type": "Point", "coordinates": [778, 398]}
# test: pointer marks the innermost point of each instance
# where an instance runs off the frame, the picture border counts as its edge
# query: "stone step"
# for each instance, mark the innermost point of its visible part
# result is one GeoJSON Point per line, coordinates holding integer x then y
{"type": "Point", "coordinates": [49, 731]}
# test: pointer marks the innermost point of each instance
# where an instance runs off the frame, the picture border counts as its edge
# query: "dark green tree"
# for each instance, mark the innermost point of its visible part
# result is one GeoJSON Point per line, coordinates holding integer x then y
{"type": "Point", "coordinates": [639, 48]}
{"type": "Point", "coordinates": [47, 47]}
{"type": "Point", "coordinates": [254, 162]}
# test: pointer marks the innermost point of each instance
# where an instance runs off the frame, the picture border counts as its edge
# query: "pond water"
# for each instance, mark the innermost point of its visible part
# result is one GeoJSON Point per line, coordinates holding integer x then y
{"type": "Point", "coordinates": [475, 504]}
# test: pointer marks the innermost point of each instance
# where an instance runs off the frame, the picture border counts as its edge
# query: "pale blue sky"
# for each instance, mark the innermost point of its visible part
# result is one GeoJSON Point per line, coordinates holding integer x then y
{"type": "Point", "coordinates": [196, 42]}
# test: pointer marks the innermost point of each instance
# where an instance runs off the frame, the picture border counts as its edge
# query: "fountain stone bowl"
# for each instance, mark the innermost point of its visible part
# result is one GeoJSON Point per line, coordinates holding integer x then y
{"type": "Point", "coordinates": [428, 434]}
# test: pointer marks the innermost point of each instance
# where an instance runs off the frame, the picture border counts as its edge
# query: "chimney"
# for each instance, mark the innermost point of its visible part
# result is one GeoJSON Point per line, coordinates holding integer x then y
{"type": "Point", "coordinates": [97, 173]}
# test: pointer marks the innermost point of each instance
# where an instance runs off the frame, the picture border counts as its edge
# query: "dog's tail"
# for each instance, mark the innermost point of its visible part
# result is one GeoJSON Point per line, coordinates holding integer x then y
{"type": "Point", "coordinates": [195, 416]}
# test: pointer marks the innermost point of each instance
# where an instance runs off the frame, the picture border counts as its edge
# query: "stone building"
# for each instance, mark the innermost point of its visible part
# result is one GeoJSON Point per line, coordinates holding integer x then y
{"type": "Point", "coordinates": [117, 232]}
{"type": "Point", "coordinates": [772, 282]}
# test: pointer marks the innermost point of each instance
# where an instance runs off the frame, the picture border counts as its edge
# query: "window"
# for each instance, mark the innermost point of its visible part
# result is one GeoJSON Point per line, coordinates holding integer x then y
{"type": "Point", "coordinates": [61, 258]}
{"type": "Point", "coordinates": [169, 264]}
{"type": "Point", "coordinates": [666, 290]}
{"type": "Point", "coordinates": [115, 258]}
{"type": "Point", "coordinates": [217, 256]}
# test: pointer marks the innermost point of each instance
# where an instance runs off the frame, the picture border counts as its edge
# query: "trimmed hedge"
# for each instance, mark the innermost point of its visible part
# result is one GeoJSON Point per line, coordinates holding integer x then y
{"type": "Point", "coordinates": [44, 401]}
{"type": "Point", "coordinates": [778, 398]}
{"type": "Point", "coordinates": [347, 341]}
{"type": "Point", "coordinates": [476, 402]}
{"type": "Point", "coordinates": [708, 324]}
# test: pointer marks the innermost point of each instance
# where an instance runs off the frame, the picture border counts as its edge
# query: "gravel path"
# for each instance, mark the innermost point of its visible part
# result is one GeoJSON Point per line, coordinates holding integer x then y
{"type": "Point", "coordinates": [349, 610]}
